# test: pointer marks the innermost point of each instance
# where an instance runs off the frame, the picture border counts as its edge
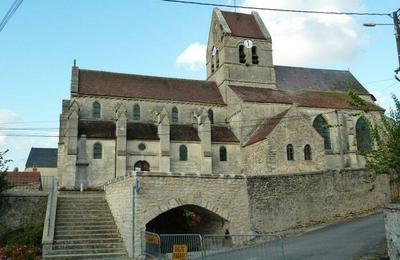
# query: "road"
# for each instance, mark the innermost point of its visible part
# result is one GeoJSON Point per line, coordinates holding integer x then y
{"type": "Point", "coordinates": [359, 237]}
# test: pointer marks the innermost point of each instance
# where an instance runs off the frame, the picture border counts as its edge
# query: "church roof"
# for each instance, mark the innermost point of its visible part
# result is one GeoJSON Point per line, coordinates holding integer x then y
{"type": "Point", "coordinates": [261, 132]}
{"type": "Point", "coordinates": [222, 134]}
{"type": "Point", "coordinates": [42, 157]}
{"type": "Point", "coordinates": [243, 25]}
{"type": "Point", "coordinates": [100, 83]}
{"type": "Point", "coordinates": [183, 133]}
{"type": "Point", "coordinates": [97, 129]}
{"type": "Point", "coordinates": [297, 79]}
{"type": "Point", "coordinates": [141, 131]}
{"type": "Point", "coordinates": [317, 99]}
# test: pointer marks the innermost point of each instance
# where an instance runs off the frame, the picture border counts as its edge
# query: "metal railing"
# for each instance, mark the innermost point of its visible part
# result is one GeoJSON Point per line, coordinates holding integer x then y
{"type": "Point", "coordinates": [260, 246]}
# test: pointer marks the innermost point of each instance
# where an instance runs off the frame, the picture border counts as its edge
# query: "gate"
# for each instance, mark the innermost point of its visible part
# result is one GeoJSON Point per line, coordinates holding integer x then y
{"type": "Point", "coordinates": [215, 247]}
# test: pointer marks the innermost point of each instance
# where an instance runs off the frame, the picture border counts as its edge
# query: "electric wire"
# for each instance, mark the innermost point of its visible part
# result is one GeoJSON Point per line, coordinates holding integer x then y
{"type": "Point", "coordinates": [10, 13]}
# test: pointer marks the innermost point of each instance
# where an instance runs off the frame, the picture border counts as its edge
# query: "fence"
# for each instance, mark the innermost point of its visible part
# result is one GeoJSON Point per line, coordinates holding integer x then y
{"type": "Point", "coordinates": [265, 246]}
{"type": "Point", "coordinates": [29, 181]}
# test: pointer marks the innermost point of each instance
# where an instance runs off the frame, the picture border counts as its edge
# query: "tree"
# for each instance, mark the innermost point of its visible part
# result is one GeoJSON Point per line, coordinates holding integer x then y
{"type": "Point", "coordinates": [3, 169]}
{"type": "Point", "coordinates": [385, 157]}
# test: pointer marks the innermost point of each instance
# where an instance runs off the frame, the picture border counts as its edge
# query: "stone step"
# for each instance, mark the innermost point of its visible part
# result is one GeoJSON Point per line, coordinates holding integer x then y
{"type": "Point", "coordinates": [88, 256]}
{"type": "Point", "coordinates": [71, 223]}
{"type": "Point", "coordinates": [85, 227]}
{"type": "Point", "coordinates": [87, 207]}
{"type": "Point", "coordinates": [88, 218]}
{"type": "Point", "coordinates": [86, 241]}
{"type": "Point", "coordinates": [83, 215]}
{"type": "Point", "coordinates": [88, 245]}
{"type": "Point", "coordinates": [86, 236]}
{"type": "Point", "coordinates": [87, 232]}
{"type": "Point", "coordinates": [85, 251]}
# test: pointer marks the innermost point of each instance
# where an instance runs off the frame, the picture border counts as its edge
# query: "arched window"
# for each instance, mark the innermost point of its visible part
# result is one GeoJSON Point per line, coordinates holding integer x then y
{"type": "Point", "coordinates": [363, 135]}
{"type": "Point", "coordinates": [307, 153]}
{"type": "Point", "coordinates": [211, 116]}
{"type": "Point", "coordinates": [242, 55]}
{"type": "Point", "coordinates": [217, 58]}
{"type": "Point", "coordinates": [321, 126]}
{"type": "Point", "coordinates": [136, 112]}
{"type": "Point", "coordinates": [254, 56]}
{"type": "Point", "coordinates": [96, 109]}
{"type": "Point", "coordinates": [222, 154]}
{"type": "Point", "coordinates": [290, 152]}
{"type": "Point", "coordinates": [183, 153]}
{"type": "Point", "coordinates": [174, 115]}
{"type": "Point", "coordinates": [97, 151]}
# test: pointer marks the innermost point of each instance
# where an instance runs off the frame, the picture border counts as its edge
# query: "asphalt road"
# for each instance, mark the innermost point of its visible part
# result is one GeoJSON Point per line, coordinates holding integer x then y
{"type": "Point", "coordinates": [359, 237]}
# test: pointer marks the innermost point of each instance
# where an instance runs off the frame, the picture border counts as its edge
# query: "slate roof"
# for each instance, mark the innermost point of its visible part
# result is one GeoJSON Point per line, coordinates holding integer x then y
{"type": "Point", "coordinates": [42, 157]}
{"type": "Point", "coordinates": [317, 99]}
{"type": "Point", "coordinates": [183, 133]}
{"type": "Point", "coordinates": [222, 134]}
{"type": "Point", "coordinates": [262, 131]}
{"type": "Point", "coordinates": [243, 25]}
{"type": "Point", "coordinates": [100, 83]}
{"type": "Point", "coordinates": [309, 79]}
{"type": "Point", "coordinates": [141, 131]}
{"type": "Point", "coordinates": [97, 129]}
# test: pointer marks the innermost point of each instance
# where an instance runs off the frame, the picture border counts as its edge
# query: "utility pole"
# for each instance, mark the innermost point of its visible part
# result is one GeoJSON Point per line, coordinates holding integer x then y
{"type": "Point", "coordinates": [396, 15]}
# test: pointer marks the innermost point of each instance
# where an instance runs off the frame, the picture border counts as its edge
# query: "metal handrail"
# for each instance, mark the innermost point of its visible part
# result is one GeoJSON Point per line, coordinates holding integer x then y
{"type": "Point", "coordinates": [49, 223]}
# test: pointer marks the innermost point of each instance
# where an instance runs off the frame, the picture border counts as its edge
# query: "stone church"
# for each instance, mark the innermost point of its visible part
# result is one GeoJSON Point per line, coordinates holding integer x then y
{"type": "Point", "coordinates": [249, 117]}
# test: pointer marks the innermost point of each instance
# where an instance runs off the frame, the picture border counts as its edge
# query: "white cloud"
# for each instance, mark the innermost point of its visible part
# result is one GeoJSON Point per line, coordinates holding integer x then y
{"type": "Point", "coordinates": [312, 39]}
{"type": "Point", "coordinates": [193, 57]}
{"type": "Point", "coordinates": [6, 116]}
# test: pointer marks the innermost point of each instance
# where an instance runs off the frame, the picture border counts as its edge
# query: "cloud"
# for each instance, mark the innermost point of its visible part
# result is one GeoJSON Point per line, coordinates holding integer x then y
{"type": "Point", "coordinates": [312, 39]}
{"type": "Point", "coordinates": [6, 116]}
{"type": "Point", "coordinates": [193, 57]}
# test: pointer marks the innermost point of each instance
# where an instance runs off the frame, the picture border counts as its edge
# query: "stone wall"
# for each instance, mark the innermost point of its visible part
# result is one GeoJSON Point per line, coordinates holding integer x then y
{"type": "Point", "coordinates": [281, 202]}
{"type": "Point", "coordinates": [21, 209]}
{"type": "Point", "coordinates": [120, 200]}
{"type": "Point", "coordinates": [392, 229]}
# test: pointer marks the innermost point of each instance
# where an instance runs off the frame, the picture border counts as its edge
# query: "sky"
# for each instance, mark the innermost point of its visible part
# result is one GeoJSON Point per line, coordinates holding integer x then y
{"type": "Point", "coordinates": [151, 37]}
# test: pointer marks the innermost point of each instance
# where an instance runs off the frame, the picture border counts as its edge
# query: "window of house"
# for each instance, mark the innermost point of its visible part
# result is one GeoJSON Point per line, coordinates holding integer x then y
{"type": "Point", "coordinates": [242, 55]}
{"type": "Point", "coordinates": [136, 112]}
{"type": "Point", "coordinates": [174, 115]}
{"type": "Point", "coordinates": [211, 115]}
{"type": "Point", "coordinates": [217, 58]}
{"type": "Point", "coordinates": [364, 142]}
{"type": "Point", "coordinates": [97, 151]}
{"type": "Point", "coordinates": [254, 56]}
{"type": "Point", "coordinates": [290, 152]}
{"type": "Point", "coordinates": [222, 154]}
{"type": "Point", "coordinates": [142, 147]}
{"type": "Point", "coordinates": [183, 153]}
{"type": "Point", "coordinates": [307, 153]}
{"type": "Point", "coordinates": [321, 125]}
{"type": "Point", "coordinates": [96, 109]}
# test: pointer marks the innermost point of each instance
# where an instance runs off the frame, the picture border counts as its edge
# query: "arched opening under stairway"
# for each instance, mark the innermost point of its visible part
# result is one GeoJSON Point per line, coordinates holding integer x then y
{"type": "Point", "coordinates": [143, 165]}
{"type": "Point", "coordinates": [188, 219]}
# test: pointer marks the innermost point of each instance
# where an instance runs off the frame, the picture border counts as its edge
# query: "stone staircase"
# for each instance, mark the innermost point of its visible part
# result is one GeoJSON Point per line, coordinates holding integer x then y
{"type": "Point", "coordinates": [85, 229]}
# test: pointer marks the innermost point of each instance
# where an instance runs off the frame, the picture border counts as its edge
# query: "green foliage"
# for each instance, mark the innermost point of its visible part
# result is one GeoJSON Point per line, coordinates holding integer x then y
{"type": "Point", "coordinates": [3, 161]}
{"type": "Point", "coordinates": [24, 243]}
{"type": "Point", "coordinates": [356, 100]}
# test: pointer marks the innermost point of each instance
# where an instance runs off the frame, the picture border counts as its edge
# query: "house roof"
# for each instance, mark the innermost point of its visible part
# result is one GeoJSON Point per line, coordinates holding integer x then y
{"type": "Point", "coordinates": [317, 99]}
{"type": "Point", "coordinates": [22, 178]}
{"type": "Point", "coordinates": [42, 157]}
{"type": "Point", "coordinates": [222, 134]}
{"type": "Point", "coordinates": [309, 79]}
{"type": "Point", "coordinates": [262, 131]}
{"type": "Point", "coordinates": [183, 133]}
{"type": "Point", "coordinates": [243, 25]}
{"type": "Point", "coordinates": [141, 131]}
{"type": "Point", "coordinates": [97, 129]}
{"type": "Point", "coordinates": [100, 83]}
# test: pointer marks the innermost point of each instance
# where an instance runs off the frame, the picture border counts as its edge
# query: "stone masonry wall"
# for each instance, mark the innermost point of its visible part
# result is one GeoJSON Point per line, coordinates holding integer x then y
{"type": "Point", "coordinates": [19, 210]}
{"type": "Point", "coordinates": [392, 228]}
{"type": "Point", "coordinates": [119, 197]}
{"type": "Point", "coordinates": [278, 203]}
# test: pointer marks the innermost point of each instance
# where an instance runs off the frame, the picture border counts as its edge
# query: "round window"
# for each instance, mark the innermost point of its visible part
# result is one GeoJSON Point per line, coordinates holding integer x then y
{"type": "Point", "coordinates": [142, 147]}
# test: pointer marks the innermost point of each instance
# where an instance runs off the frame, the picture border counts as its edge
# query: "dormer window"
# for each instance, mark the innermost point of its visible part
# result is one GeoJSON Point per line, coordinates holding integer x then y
{"type": "Point", "coordinates": [254, 56]}
{"type": "Point", "coordinates": [242, 55]}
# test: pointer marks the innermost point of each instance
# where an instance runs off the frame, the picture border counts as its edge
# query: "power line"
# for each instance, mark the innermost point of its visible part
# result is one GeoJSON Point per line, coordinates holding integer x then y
{"type": "Point", "coordinates": [378, 81]}
{"type": "Point", "coordinates": [10, 13]}
{"type": "Point", "coordinates": [276, 9]}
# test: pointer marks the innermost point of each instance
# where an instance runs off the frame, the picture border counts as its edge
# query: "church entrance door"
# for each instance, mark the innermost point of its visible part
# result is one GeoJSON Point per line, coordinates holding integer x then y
{"type": "Point", "coordinates": [143, 165]}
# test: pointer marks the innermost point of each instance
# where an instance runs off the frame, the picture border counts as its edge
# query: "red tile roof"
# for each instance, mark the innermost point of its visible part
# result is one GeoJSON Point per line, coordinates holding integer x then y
{"type": "Point", "coordinates": [243, 25]}
{"type": "Point", "coordinates": [100, 83]}
{"type": "Point", "coordinates": [22, 178]}
{"type": "Point", "coordinates": [317, 99]}
{"type": "Point", "coordinates": [261, 132]}
{"type": "Point", "coordinates": [222, 134]}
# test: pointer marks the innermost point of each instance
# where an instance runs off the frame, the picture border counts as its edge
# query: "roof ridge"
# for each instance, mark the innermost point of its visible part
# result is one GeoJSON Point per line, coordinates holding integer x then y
{"type": "Point", "coordinates": [147, 76]}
